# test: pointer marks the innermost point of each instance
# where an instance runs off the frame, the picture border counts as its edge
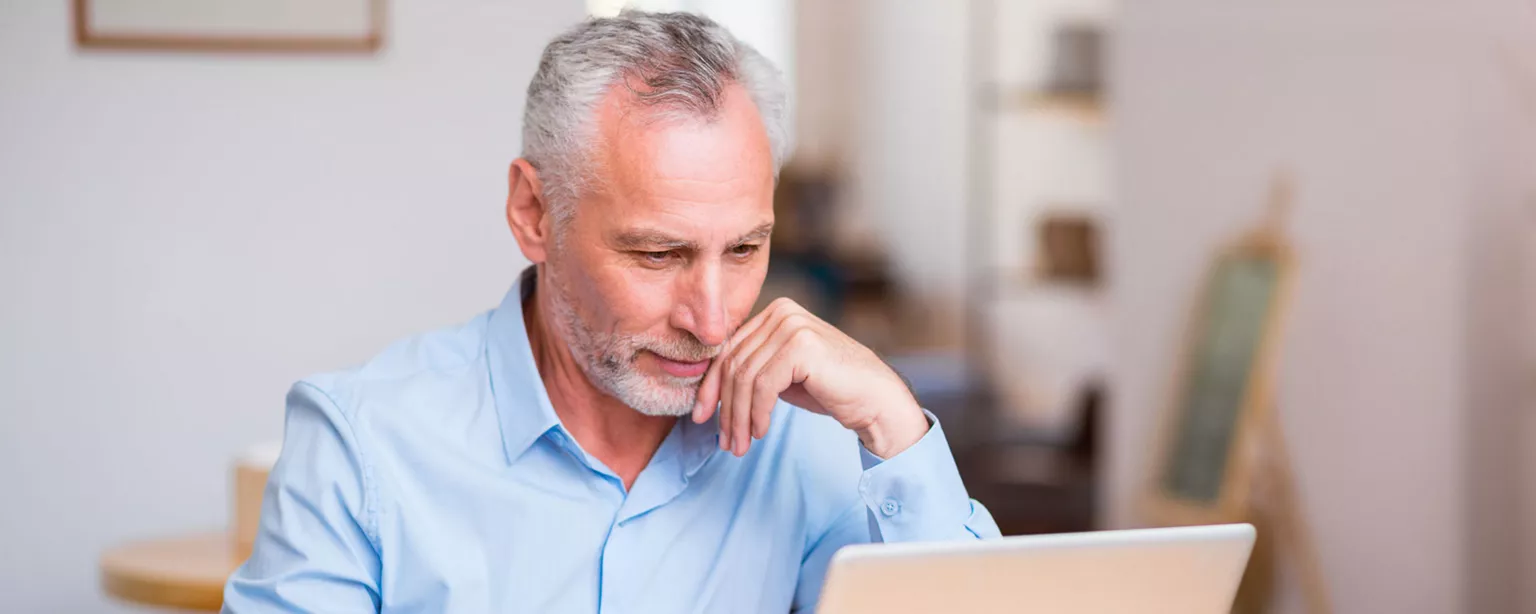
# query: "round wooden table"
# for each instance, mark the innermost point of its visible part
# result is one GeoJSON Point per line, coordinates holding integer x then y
{"type": "Point", "coordinates": [181, 572]}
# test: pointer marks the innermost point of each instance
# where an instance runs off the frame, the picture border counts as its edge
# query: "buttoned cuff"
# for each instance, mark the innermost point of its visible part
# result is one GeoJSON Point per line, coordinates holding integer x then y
{"type": "Point", "coordinates": [917, 494]}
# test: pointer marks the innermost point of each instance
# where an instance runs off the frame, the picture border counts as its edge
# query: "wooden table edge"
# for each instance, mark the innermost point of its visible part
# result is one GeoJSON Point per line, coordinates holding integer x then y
{"type": "Point", "coordinates": [186, 571]}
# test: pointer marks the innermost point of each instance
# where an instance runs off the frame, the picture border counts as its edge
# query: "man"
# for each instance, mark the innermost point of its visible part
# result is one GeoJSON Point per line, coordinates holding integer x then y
{"type": "Point", "coordinates": [617, 436]}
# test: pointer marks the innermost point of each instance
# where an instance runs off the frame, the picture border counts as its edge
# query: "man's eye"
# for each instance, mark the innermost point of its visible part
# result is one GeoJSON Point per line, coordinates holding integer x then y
{"type": "Point", "coordinates": [744, 250]}
{"type": "Point", "coordinates": [657, 257]}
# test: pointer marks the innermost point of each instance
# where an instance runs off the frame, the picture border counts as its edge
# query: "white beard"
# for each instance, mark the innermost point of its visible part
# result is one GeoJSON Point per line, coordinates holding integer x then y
{"type": "Point", "coordinates": [609, 361]}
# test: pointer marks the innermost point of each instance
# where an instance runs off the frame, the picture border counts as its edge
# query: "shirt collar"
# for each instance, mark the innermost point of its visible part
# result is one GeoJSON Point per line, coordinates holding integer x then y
{"type": "Point", "coordinates": [522, 403]}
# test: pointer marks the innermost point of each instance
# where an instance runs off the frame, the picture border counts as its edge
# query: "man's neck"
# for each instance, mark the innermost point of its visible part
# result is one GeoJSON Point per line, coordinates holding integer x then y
{"type": "Point", "coordinates": [620, 437]}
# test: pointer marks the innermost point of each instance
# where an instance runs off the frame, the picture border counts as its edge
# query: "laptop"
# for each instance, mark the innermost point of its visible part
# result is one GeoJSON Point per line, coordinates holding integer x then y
{"type": "Point", "coordinates": [1185, 570]}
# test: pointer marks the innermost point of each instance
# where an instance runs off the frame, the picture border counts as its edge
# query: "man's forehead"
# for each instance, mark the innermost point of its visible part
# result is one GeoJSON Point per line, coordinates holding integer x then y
{"type": "Point", "coordinates": [651, 149]}
{"type": "Point", "coordinates": [684, 179]}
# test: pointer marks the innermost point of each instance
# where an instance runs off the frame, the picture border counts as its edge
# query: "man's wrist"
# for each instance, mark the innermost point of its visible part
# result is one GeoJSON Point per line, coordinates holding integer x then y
{"type": "Point", "coordinates": [894, 430]}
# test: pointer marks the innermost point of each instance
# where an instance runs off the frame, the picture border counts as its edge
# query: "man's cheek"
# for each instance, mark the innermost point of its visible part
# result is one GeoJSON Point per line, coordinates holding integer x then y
{"type": "Point", "coordinates": [641, 304]}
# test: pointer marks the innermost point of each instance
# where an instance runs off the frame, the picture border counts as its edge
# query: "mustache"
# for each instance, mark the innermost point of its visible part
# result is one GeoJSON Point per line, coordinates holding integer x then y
{"type": "Point", "coordinates": [681, 349]}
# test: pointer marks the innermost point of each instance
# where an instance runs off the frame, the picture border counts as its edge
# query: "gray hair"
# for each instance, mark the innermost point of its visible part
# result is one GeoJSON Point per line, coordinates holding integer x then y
{"type": "Point", "coordinates": [684, 62]}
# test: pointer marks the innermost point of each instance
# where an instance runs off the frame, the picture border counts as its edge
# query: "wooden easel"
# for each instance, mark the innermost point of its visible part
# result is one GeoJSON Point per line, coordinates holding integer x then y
{"type": "Point", "coordinates": [1259, 484]}
{"type": "Point", "coordinates": [1276, 497]}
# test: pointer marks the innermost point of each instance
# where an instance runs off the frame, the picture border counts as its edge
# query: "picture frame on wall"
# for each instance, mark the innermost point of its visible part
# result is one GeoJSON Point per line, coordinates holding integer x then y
{"type": "Point", "coordinates": [297, 26]}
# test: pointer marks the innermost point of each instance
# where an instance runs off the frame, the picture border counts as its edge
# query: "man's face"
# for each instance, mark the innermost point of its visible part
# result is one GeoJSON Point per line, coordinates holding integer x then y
{"type": "Point", "coordinates": [667, 254]}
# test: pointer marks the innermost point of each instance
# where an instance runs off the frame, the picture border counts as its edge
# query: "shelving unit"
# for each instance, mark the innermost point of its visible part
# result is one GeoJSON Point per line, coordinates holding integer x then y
{"type": "Point", "coordinates": [1023, 135]}
{"type": "Point", "coordinates": [1026, 101]}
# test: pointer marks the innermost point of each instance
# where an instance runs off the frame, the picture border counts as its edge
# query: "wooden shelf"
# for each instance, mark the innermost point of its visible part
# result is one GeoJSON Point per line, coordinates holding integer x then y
{"type": "Point", "coordinates": [1079, 107]}
{"type": "Point", "coordinates": [1002, 282]}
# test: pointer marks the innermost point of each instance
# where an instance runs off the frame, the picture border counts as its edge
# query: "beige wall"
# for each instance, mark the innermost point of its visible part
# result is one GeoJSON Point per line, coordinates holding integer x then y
{"type": "Point", "coordinates": [1510, 163]}
{"type": "Point", "coordinates": [182, 236]}
{"type": "Point", "coordinates": [1401, 371]}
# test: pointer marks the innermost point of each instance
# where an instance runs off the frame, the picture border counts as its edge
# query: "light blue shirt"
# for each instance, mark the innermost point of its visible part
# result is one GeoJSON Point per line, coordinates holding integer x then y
{"type": "Point", "coordinates": [437, 478]}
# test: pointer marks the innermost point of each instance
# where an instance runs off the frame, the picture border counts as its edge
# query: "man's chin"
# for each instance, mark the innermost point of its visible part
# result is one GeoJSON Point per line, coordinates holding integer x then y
{"type": "Point", "coordinates": [665, 412]}
{"type": "Point", "coordinates": [671, 399]}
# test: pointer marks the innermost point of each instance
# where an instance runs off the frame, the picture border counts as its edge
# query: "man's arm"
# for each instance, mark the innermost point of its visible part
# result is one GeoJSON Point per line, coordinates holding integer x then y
{"type": "Point", "coordinates": [313, 550]}
{"type": "Point", "coordinates": [909, 489]}
{"type": "Point", "coordinates": [915, 495]}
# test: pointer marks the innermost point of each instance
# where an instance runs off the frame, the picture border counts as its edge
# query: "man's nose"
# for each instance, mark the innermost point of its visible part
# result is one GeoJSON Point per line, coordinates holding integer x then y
{"type": "Point", "coordinates": [702, 308]}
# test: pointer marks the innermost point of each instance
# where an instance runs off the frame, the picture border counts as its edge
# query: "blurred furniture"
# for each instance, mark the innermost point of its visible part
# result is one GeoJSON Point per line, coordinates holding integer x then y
{"type": "Point", "coordinates": [1069, 249]}
{"type": "Point", "coordinates": [251, 470]}
{"type": "Point", "coordinates": [189, 571]}
{"type": "Point", "coordinates": [1037, 330]}
{"type": "Point", "coordinates": [1053, 344]}
{"type": "Point", "coordinates": [1033, 458]}
{"type": "Point", "coordinates": [848, 286]}
{"type": "Point", "coordinates": [180, 572]}
{"type": "Point", "coordinates": [1077, 60]}
{"type": "Point", "coordinates": [805, 254]}
{"type": "Point", "coordinates": [1222, 455]}
{"type": "Point", "coordinates": [1033, 485]}
{"type": "Point", "coordinates": [1030, 482]}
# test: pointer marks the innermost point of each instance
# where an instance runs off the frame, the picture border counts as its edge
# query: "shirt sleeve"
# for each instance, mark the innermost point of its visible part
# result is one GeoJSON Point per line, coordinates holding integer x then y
{"type": "Point", "coordinates": [914, 496]}
{"type": "Point", "coordinates": [314, 548]}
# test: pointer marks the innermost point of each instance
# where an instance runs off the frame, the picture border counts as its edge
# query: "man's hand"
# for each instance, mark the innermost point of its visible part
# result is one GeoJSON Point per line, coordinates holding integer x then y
{"type": "Point", "coordinates": [787, 352]}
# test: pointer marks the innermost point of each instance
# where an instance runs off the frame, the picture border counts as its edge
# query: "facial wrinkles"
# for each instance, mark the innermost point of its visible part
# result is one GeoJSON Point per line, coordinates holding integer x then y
{"type": "Point", "coordinates": [610, 359]}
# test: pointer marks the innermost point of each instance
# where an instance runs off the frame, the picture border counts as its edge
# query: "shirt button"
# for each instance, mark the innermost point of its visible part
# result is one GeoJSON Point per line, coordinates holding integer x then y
{"type": "Point", "coordinates": [890, 507]}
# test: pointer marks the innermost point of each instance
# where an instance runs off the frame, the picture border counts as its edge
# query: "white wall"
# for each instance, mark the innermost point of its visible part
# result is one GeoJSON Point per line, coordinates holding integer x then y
{"type": "Point", "coordinates": [827, 35]}
{"type": "Point", "coordinates": [1400, 373]}
{"type": "Point", "coordinates": [182, 236]}
{"type": "Point", "coordinates": [909, 169]}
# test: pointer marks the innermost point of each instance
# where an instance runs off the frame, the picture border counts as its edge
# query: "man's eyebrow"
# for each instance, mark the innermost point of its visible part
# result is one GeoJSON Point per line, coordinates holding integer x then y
{"type": "Point", "coordinates": [763, 231]}
{"type": "Point", "coordinates": [650, 239]}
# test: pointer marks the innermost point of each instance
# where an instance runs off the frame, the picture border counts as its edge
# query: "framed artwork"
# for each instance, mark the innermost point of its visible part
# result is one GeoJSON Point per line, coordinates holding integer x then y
{"type": "Point", "coordinates": [303, 26]}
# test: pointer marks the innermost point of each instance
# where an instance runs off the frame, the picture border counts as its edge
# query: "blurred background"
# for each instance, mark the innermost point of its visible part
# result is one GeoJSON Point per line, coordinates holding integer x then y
{"type": "Point", "coordinates": [1015, 201]}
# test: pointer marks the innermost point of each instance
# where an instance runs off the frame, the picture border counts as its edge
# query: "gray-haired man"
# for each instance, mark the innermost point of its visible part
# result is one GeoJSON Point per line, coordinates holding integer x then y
{"type": "Point", "coordinates": [617, 435]}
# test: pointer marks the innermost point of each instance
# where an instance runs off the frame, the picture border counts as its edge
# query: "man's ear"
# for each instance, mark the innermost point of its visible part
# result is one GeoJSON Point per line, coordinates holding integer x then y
{"type": "Point", "coordinates": [528, 213]}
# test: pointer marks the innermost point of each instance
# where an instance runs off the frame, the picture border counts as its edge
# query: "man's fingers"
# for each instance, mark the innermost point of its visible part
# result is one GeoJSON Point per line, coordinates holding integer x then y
{"type": "Point", "coordinates": [730, 381]}
{"type": "Point", "coordinates": [754, 395]}
{"type": "Point", "coordinates": [744, 364]}
{"type": "Point", "coordinates": [765, 386]}
{"type": "Point", "coordinates": [727, 389]}
{"type": "Point", "coordinates": [709, 392]}
{"type": "Point", "coordinates": [733, 360]}
{"type": "Point", "coordinates": [741, 408]}
{"type": "Point", "coordinates": [777, 375]}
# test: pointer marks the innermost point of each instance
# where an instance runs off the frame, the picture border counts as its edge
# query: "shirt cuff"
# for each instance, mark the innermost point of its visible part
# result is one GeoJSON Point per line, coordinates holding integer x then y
{"type": "Point", "coordinates": [917, 494]}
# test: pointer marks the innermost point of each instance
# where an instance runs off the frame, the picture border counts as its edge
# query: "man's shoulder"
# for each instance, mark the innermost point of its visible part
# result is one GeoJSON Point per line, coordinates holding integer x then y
{"type": "Point", "coordinates": [435, 364]}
